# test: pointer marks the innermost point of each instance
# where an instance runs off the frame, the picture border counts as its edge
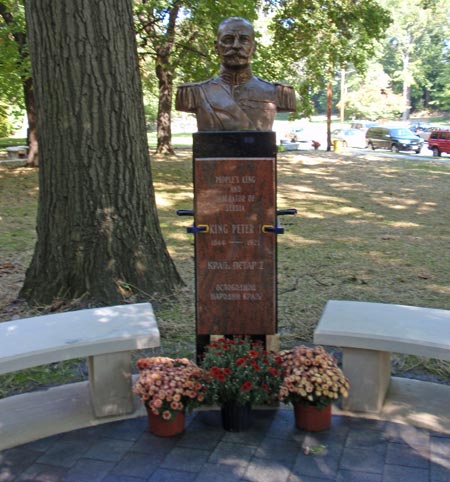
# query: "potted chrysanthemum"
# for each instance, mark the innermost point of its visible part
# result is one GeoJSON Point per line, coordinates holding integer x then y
{"type": "Point", "coordinates": [242, 374]}
{"type": "Point", "coordinates": [312, 382]}
{"type": "Point", "coordinates": [168, 388]}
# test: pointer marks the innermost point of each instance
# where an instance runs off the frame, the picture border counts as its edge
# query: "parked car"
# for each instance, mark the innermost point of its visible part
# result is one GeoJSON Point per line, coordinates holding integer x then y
{"type": "Point", "coordinates": [419, 126]}
{"type": "Point", "coordinates": [439, 142]}
{"type": "Point", "coordinates": [393, 138]}
{"type": "Point", "coordinates": [363, 124]}
{"type": "Point", "coordinates": [349, 137]}
{"type": "Point", "coordinates": [301, 135]}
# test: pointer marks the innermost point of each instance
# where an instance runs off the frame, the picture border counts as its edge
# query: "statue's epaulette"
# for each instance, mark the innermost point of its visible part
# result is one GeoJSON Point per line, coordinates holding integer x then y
{"type": "Point", "coordinates": [188, 95]}
{"type": "Point", "coordinates": [193, 84]}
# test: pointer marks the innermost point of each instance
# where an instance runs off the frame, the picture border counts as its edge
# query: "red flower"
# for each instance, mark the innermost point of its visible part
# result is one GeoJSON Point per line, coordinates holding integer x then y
{"type": "Point", "coordinates": [265, 387]}
{"type": "Point", "coordinates": [255, 366]}
{"type": "Point", "coordinates": [274, 371]}
{"type": "Point", "coordinates": [220, 377]}
{"type": "Point", "coordinates": [227, 371]}
{"type": "Point", "coordinates": [246, 386]}
{"type": "Point", "coordinates": [253, 354]}
{"type": "Point", "coordinates": [241, 361]}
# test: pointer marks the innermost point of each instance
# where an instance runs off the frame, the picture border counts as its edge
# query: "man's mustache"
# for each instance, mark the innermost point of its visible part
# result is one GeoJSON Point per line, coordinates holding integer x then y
{"type": "Point", "coordinates": [235, 53]}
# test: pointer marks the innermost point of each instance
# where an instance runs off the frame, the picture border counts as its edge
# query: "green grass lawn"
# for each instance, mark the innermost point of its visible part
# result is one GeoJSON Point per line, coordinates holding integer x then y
{"type": "Point", "coordinates": [368, 229]}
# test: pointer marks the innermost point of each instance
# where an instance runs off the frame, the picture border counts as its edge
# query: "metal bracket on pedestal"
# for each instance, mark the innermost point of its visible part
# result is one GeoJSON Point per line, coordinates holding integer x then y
{"type": "Point", "coordinates": [268, 228]}
{"type": "Point", "coordinates": [200, 228]}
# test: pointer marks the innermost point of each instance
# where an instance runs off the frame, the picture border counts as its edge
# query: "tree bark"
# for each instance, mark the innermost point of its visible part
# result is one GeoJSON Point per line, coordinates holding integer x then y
{"type": "Point", "coordinates": [97, 225]}
{"type": "Point", "coordinates": [329, 106]}
{"type": "Point", "coordinates": [164, 130]}
{"type": "Point", "coordinates": [32, 140]}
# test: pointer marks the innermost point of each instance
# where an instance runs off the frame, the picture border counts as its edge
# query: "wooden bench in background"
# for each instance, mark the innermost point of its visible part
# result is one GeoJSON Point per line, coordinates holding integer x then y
{"type": "Point", "coordinates": [369, 332]}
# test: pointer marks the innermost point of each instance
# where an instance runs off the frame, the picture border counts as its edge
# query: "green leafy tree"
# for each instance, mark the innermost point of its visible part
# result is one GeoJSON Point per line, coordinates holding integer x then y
{"type": "Point", "coordinates": [178, 35]}
{"type": "Point", "coordinates": [325, 36]}
{"type": "Point", "coordinates": [442, 95]}
{"type": "Point", "coordinates": [416, 44]}
{"type": "Point", "coordinates": [372, 97]}
{"type": "Point", "coordinates": [15, 68]}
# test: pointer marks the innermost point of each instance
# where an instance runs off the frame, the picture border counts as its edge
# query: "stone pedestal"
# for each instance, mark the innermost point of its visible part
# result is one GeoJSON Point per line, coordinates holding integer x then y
{"type": "Point", "coordinates": [235, 224]}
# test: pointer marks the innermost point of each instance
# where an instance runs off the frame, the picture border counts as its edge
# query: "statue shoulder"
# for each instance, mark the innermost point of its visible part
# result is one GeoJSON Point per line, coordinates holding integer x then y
{"type": "Point", "coordinates": [284, 94]}
{"type": "Point", "coordinates": [187, 95]}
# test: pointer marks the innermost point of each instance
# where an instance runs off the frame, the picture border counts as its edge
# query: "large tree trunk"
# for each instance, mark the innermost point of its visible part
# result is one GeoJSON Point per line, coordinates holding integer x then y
{"type": "Point", "coordinates": [97, 224]}
{"type": "Point", "coordinates": [164, 132]}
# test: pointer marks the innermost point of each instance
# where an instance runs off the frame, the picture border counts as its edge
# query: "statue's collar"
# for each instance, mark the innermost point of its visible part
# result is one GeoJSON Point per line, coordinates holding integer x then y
{"type": "Point", "coordinates": [236, 78]}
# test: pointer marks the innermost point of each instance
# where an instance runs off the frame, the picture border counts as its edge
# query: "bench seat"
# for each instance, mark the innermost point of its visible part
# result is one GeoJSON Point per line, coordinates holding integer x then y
{"type": "Point", "coordinates": [369, 332]}
{"type": "Point", "coordinates": [17, 152]}
{"type": "Point", "coordinates": [106, 336]}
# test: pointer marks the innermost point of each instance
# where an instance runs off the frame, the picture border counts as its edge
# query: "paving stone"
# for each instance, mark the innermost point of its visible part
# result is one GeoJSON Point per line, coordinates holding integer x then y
{"type": "Point", "coordinates": [267, 470]}
{"type": "Point", "coordinates": [83, 434]}
{"type": "Point", "coordinates": [306, 478]}
{"type": "Point", "coordinates": [439, 473]}
{"type": "Point", "coordinates": [108, 449]}
{"type": "Point", "coordinates": [151, 444]}
{"type": "Point", "coordinates": [167, 475]}
{"type": "Point", "coordinates": [221, 473]}
{"type": "Point", "coordinates": [251, 437]}
{"type": "Point", "coordinates": [14, 461]}
{"type": "Point", "coordinates": [400, 454]}
{"type": "Point", "coordinates": [364, 424]}
{"type": "Point", "coordinates": [122, 478]}
{"type": "Point", "coordinates": [231, 454]}
{"type": "Point", "coordinates": [354, 476]}
{"type": "Point", "coordinates": [42, 473]}
{"type": "Point", "coordinates": [365, 438]}
{"type": "Point", "coordinates": [185, 459]}
{"type": "Point", "coordinates": [278, 450]}
{"type": "Point", "coordinates": [206, 438]}
{"type": "Point", "coordinates": [136, 464]}
{"type": "Point", "coordinates": [356, 450]}
{"type": "Point", "coordinates": [87, 470]}
{"type": "Point", "coordinates": [65, 453]}
{"type": "Point", "coordinates": [406, 434]}
{"type": "Point", "coordinates": [126, 429]}
{"type": "Point", "coordinates": [324, 464]}
{"type": "Point", "coordinates": [43, 444]}
{"type": "Point", "coordinates": [364, 459]}
{"type": "Point", "coordinates": [398, 473]}
{"type": "Point", "coordinates": [283, 426]}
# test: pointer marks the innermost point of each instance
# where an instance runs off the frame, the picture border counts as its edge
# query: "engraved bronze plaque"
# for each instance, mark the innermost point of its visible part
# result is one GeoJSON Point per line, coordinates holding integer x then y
{"type": "Point", "coordinates": [235, 258]}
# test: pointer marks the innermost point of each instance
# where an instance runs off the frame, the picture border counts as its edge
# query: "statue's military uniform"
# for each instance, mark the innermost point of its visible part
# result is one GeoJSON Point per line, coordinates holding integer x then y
{"type": "Point", "coordinates": [235, 101]}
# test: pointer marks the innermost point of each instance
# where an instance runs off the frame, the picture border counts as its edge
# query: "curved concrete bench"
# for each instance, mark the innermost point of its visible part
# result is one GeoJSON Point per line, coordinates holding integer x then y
{"type": "Point", "coordinates": [106, 336]}
{"type": "Point", "coordinates": [369, 332]}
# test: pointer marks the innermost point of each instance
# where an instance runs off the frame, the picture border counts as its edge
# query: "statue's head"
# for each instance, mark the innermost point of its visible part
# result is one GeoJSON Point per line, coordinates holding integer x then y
{"type": "Point", "coordinates": [235, 43]}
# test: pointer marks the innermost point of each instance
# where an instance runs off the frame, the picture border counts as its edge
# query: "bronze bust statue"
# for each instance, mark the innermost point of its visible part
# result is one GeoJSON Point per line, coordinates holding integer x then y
{"type": "Point", "coordinates": [236, 100]}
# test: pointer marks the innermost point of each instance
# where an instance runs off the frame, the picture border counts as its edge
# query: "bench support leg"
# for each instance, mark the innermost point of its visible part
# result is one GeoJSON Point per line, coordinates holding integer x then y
{"type": "Point", "coordinates": [110, 384]}
{"type": "Point", "coordinates": [369, 372]}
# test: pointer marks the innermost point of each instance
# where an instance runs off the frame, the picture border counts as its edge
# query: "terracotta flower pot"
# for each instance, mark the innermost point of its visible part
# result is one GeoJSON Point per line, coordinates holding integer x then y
{"type": "Point", "coordinates": [236, 418]}
{"type": "Point", "coordinates": [311, 418]}
{"type": "Point", "coordinates": [166, 428]}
